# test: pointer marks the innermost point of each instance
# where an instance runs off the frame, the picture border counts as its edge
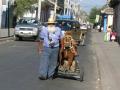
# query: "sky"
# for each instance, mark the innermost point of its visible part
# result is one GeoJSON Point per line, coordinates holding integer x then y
{"type": "Point", "coordinates": [88, 4]}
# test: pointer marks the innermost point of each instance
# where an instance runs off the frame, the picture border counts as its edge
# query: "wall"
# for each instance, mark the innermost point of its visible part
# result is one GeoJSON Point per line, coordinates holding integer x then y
{"type": "Point", "coordinates": [3, 12]}
{"type": "Point", "coordinates": [116, 22]}
{"type": "Point", "coordinates": [0, 12]}
{"type": "Point", "coordinates": [116, 25]}
{"type": "Point", "coordinates": [110, 20]}
{"type": "Point", "coordinates": [4, 32]}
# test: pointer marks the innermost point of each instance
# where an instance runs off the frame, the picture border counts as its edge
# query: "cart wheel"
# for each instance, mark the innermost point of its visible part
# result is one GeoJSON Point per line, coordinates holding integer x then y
{"type": "Point", "coordinates": [81, 74]}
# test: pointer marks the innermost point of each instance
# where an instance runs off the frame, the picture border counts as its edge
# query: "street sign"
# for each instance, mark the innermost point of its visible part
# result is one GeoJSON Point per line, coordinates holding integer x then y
{"type": "Point", "coordinates": [64, 17]}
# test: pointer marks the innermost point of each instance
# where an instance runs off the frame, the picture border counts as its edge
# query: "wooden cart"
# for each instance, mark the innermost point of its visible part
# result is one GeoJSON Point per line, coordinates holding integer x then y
{"type": "Point", "coordinates": [75, 71]}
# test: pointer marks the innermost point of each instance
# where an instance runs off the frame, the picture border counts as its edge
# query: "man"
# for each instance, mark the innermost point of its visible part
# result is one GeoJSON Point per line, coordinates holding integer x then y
{"type": "Point", "coordinates": [49, 49]}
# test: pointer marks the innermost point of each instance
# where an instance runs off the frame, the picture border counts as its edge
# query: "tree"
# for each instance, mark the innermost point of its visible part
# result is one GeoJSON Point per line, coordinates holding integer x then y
{"type": "Point", "coordinates": [113, 3]}
{"type": "Point", "coordinates": [94, 11]}
{"type": "Point", "coordinates": [22, 6]}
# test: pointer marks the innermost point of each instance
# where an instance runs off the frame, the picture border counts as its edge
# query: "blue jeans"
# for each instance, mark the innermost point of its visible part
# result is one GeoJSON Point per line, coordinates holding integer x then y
{"type": "Point", "coordinates": [48, 61]}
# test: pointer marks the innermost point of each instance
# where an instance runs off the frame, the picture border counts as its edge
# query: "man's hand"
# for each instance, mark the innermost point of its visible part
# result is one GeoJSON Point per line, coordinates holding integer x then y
{"type": "Point", "coordinates": [40, 51]}
{"type": "Point", "coordinates": [40, 47]}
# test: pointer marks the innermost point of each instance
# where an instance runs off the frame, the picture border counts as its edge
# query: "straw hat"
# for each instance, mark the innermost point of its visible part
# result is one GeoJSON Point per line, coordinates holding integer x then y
{"type": "Point", "coordinates": [51, 20]}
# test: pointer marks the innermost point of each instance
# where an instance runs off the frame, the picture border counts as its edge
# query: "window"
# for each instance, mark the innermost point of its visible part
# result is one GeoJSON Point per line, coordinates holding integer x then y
{"type": "Point", "coordinates": [3, 2]}
{"type": "Point", "coordinates": [27, 21]}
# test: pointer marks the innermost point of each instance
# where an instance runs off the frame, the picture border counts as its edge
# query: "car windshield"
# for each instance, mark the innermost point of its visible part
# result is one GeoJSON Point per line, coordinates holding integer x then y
{"type": "Point", "coordinates": [84, 25]}
{"type": "Point", "coordinates": [28, 21]}
{"type": "Point", "coordinates": [65, 25]}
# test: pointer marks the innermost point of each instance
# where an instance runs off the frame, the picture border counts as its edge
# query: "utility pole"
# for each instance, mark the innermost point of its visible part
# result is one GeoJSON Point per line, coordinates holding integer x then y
{"type": "Point", "coordinates": [8, 18]}
{"type": "Point", "coordinates": [55, 9]}
{"type": "Point", "coordinates": [64, 6]}
{"type": "Point", "coordinates": [39, 9]}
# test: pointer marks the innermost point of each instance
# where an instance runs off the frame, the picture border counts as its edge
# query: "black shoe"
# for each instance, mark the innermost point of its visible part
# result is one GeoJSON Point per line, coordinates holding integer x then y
{"type": "Point", "coordinates": [52, 77]}
{"type": "Point", "coordinates": [42, 78]}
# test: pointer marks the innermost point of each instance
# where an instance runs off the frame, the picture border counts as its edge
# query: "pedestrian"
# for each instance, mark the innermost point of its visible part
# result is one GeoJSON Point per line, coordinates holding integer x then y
{"type": "Point", "coordinates": [49, 49]}
{"type": "Point", "coordinates": [109, 30]}
{"type": "Point", "coordinates": [113, 36]}
{"type": "Point", "coordinates": [98, 28]}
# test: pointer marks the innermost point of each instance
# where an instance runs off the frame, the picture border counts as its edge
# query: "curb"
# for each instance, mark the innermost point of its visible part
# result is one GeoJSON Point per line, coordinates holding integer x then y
{"type": "Point", "coordinates": [6, 38]}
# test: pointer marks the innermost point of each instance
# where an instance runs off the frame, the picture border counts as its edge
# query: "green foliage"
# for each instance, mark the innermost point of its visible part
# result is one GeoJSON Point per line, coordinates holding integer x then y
{"type": "Point", "coordinates": [94, 11]}
{"type": "Point", "coordinates": [22, 6]}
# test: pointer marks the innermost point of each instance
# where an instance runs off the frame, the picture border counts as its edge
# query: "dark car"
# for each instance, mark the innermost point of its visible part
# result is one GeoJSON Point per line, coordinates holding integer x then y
{"type": "Point", "coordinates": [66, 25]}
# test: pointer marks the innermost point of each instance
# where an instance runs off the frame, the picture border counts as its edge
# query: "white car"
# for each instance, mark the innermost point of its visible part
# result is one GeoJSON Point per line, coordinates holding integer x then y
{"type": "Point", "coordinates": [26, 28]}
{"type": "Point", "coordinates": [83, 27]}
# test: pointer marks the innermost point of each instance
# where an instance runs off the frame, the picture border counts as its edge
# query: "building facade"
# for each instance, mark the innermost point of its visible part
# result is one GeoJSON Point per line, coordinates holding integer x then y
{"type": "Point", "coordinates": [3, 6]}
{"type": "Point", "coordinates": [115, 4]}
{"type": "Point", "coordinates": [71, 8]}
{"type": "Point", "coordinates": [48, 8]}
{"type": "Point", "coordinates": [64, 7]}
{"type": "Point", "coordinates": [107, 15]}
{"type": "Point", "coordinates": [4, 12]}
{"type": "Point", "coordinates": [0, 12]}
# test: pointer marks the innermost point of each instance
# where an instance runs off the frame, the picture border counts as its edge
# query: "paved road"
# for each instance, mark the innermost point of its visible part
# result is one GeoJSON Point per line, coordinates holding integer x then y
{"type": "Point", "coordinates": [108, 54]}
{"type": "Point", "coordinates": [19, 64]}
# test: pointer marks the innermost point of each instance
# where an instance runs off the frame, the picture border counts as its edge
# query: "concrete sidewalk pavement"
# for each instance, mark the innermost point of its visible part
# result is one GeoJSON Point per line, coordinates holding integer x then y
{"type": "Point", "coordinates": [108, 56]}
{"type": "Point", "coordinates": [4, 32]}
{"type": "Point", "coordinates": [6, 40]}
{"type": "Point", "coordinates": [4, 35]}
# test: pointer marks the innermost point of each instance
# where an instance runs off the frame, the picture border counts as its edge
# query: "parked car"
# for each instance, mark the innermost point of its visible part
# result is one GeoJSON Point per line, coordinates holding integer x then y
{"type": "Point", "coordinates": [83, 27]}
{"type": "Point", "coordinates": [89, 27]}
{"type": "Point", "coordinates": [27, 28]}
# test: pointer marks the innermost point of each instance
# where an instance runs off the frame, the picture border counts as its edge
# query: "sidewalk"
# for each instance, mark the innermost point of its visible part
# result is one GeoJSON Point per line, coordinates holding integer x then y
{"type": "Point", "coordinates": [6, 38]}
{"type": "Point", "coordinates": [108, 56]}
{"type": "Point", "coordinates": [4, 32]}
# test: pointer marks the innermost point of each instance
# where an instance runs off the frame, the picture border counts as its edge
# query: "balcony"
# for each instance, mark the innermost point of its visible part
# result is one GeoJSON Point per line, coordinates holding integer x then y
{"type": "Point", "coordinates": [51, 1]}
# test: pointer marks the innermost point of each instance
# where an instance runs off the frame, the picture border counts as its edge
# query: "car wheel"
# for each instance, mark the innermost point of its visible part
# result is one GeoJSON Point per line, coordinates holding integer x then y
{"type": "Point", "coordinates": [20, 38]}
{"type": "Point", "coordinates": [16, 38]}
{"type": "Point", "coordinates": [35, 38]}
